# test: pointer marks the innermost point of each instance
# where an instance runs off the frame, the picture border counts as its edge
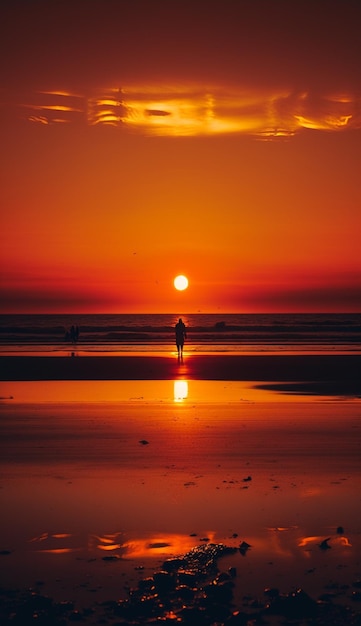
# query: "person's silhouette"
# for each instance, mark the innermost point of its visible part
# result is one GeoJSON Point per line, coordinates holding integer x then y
{"type": "Point", "coordinates": [180, 336]}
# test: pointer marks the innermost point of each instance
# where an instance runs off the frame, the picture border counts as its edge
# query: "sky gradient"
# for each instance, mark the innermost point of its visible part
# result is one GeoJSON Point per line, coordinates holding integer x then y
{"type": "Point", "coordinates": [145, 139]}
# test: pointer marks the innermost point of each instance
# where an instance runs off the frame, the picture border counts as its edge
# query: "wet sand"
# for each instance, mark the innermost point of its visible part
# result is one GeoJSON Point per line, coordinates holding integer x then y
{"type": "Point", "coordinates": [100, 490]}
{"type": "Point", "coordinates": [335, 371]}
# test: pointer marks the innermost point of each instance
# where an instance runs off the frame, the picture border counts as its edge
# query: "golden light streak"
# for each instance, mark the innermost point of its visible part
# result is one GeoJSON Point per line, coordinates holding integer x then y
{"type": "Point", "coordinates": [304, 542]}
{"type": "Point", "coordinates": [60, 550]}
{"type": "Point", "coordinates": [329, 123]}
{"type": "Point", "coordinates": [163, 545]}
{"type": "Point", "coordinates": [114, 546]}
{"type": "Point", "coordinates": [38, 119]}
{"type": "Point", "coordinates": [66, 94]}
{"type": "Point", "coordinates": [54, 107]}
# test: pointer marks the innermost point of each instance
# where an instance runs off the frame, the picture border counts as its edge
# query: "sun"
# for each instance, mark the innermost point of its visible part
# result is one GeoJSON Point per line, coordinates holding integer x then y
{"type": "Point", "coordinates": [181, 282]}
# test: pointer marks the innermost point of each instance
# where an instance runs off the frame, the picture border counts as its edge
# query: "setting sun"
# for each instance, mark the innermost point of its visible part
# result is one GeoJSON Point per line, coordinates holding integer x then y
{"type": "Point", "coordinates": [181, 282]}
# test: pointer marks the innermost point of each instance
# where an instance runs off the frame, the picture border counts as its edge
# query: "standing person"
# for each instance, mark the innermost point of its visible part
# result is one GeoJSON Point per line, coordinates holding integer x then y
{"type": "Point", "coordinates": [180, 336]}
{"type": "Point", "coordinates": [72, 334]}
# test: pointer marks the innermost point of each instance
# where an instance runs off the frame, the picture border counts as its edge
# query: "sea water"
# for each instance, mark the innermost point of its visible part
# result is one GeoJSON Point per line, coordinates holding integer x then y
{"type": "Point", "coordinates": [225, 333]}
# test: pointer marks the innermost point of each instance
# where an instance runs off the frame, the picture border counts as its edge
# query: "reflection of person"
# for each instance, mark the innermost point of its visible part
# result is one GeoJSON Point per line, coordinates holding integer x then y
{"type": "Point", "coordinates": [180, 335]}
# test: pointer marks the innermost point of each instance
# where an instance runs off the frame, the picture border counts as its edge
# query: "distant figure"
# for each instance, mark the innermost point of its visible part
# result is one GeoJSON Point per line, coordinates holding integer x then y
{"type": "Point", "coordinates": [74, 334]}
{"type": "Point", "coordinates": [180, 336]}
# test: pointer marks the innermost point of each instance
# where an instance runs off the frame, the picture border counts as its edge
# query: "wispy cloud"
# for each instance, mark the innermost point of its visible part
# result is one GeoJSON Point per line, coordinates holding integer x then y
{"type": "Point", "coordinates": [191, 111]}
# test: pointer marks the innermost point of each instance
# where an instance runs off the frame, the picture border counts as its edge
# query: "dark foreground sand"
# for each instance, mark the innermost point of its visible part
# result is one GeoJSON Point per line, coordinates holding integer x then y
{"type": "Point", "coordinates": [332, 373]}
{"type": "Point", "coordinates": [198, 513]}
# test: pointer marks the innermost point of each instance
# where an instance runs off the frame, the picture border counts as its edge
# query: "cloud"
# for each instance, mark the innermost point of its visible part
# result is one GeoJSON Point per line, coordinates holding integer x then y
{"type": "Point", "coordinates": [186, 110]}
{"type": "Point", "coordinates": [52, 298]}
{"type": "Point", "coordinates": [336, 298]}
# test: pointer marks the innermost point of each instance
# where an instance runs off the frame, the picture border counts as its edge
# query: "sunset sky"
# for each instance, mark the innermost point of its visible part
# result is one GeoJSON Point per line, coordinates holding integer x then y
{"type": "Point", "coordinates": [141, 139]}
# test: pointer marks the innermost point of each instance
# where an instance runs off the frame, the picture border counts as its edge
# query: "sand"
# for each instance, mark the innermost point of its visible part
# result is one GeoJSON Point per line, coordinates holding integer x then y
{"type": "Point", "coordinates": [101, 488]}
{"type": "Point", "coordinates": [342, 369]}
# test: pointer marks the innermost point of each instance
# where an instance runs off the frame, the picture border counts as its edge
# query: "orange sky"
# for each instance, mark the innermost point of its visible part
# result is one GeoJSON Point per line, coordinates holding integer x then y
{"type": "Point", "coordinates": [219, 139]}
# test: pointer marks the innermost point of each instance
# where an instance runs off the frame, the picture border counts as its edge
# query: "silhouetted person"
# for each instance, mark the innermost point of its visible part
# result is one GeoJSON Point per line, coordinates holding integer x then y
{"type": "Point", "coordinates": [180, 336]}
{"type": "Point", "coordinates": [74, 334]}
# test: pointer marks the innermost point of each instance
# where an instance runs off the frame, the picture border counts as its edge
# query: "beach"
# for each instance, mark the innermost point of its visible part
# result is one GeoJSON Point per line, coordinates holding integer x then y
{"type": "Point", "coordinates": [180, 313]}
{"type": "Point", "coordinates": [339, 368]}
{"type": "Point", "coordinates": [224, 489]}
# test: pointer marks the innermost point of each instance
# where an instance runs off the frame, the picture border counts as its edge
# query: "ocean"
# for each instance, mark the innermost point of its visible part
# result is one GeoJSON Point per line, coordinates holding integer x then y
{"type": "Point", "coordinates": [206, 333]}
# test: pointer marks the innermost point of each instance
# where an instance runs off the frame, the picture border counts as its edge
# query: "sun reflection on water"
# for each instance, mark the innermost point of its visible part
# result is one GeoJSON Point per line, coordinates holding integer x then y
{"type": "Point", "coordinates": [180, 390]}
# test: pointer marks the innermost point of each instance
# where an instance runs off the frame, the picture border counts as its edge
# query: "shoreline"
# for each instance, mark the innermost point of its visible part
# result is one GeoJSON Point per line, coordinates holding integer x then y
{"type": "Point", "coordinates": [334, 374]}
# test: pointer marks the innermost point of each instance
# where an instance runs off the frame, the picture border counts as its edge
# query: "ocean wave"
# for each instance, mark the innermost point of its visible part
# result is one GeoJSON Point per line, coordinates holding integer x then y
{"type": "Point", "coordinates": [228, 330]}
